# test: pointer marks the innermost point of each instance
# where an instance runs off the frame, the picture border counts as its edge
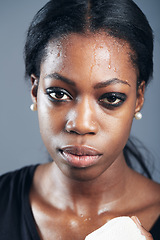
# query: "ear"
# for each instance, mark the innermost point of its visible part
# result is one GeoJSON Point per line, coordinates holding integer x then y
{"type": "Point", "coordinates": [140, 97]}
{"type": "Point", "coordinates": [34, 88]}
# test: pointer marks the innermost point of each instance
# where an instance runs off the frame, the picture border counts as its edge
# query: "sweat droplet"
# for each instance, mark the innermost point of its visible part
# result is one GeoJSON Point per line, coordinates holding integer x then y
{"type": "Point", "coordinates": [81, 215]}
{"type": "Point", "coordinates": [109, 66]}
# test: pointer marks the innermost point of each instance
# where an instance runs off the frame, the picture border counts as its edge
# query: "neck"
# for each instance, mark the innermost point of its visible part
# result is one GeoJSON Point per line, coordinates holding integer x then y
{"type": "Point", "coordinates": [81, 196]}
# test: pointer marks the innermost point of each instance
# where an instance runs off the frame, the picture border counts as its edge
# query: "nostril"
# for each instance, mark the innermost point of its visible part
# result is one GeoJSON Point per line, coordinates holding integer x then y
{"type": "Point", "coordinates": [92, 133]}
{"type": "Point", "coordinates": [73, 132]}
{"type": "Point", "coordinates": [79, 133]}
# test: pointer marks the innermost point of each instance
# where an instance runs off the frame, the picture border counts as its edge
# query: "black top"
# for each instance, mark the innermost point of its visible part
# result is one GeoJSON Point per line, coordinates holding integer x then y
{"type": "Point", "coordinates": [16, 219]}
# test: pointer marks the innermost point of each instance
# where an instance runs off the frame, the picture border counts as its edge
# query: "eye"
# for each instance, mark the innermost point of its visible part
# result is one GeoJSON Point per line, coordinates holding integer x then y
{"type": "Point", "coordinates": [57, 94]}
{"type": "Point", "coordinates": [112, 99]}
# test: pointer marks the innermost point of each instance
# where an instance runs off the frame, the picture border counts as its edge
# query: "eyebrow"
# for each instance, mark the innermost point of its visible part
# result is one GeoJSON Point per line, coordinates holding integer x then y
{"type": "Point", "coordinates": [110, 82]}
{"type": "Point", "coordinates": [97, 86]}
{"type": "Point", "coordinates": [61, 78]}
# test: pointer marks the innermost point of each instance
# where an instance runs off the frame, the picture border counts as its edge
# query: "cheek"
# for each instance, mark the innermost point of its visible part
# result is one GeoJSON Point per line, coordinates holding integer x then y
{"type": "Point", "coordinates": [51, 121]}
{"type": "Point", "coordinates": [117, 126]}
{"type": "Point", "coordinates": [51, 126]}
{"type": "Point", "coordinates": [117, 131]}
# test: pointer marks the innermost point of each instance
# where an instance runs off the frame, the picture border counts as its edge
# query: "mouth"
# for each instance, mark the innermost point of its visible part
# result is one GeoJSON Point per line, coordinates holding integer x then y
{"type": "Point", "coordinates": [80, 156]}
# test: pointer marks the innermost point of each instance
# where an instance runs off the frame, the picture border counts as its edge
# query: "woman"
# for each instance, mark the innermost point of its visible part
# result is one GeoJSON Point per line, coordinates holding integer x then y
{"type": "Point", "coordinates": [89, 63]}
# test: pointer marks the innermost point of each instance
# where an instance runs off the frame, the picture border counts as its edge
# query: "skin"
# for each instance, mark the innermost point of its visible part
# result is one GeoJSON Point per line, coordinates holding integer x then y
{"type": "Point", "coordinates": [81, 199]}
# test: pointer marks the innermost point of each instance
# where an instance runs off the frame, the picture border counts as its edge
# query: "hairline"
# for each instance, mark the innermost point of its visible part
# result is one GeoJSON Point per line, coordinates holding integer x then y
{"type": "Point", "coordinates": [131, 53]}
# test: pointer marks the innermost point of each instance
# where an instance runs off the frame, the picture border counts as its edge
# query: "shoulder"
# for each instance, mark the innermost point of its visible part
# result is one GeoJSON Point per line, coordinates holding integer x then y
{"type": "Point", "coordinates": [14, 186]}
{"type": "Point", "coordinates": [146, 194]}
{"type": "Point", "coordinates": [12, 183]}
{"type": "Point", "coordinates": [145, 199]}
{"type": "Point", "coordinates": [146, 188]}
{"type": "Point", "coordinates": [14, 189]}
{"type": "Point", "coordinates": [14, 176]}
{"type": "Point", "coordinates": [152, 190]}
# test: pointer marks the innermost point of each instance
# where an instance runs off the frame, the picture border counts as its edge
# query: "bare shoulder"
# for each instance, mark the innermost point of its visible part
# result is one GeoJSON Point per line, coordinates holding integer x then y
{"type": "Point", "coordinates": [146, 188]}
{"type": "Point", "coordinates": [145, 200]}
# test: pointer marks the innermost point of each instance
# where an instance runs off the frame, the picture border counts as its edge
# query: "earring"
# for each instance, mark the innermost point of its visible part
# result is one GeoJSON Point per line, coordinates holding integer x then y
{"type": "Point", "coordinates": [33, 107]}
{"type": "Point", "coordinates": [138, 115]}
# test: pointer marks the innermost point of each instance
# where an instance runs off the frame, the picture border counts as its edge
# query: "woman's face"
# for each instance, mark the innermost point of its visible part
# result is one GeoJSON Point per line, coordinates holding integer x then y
{"type": "Point", "coordinates": [86, 102]}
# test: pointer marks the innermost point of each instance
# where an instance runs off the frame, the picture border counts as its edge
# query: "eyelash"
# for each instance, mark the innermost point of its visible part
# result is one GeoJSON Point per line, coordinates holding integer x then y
{"type": "Point", "coordinates": [108, 100]}
{"type": "Point", "coordinates": [51, 92]}
{"type": "Point", "coordinates": [114, 99]}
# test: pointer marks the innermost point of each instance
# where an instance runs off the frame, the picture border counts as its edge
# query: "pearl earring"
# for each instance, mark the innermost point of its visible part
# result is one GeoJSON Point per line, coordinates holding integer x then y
{"type": "Point", "coordinates": [138, 115]}
{"type": "Point", "coordinates": [33, 107]}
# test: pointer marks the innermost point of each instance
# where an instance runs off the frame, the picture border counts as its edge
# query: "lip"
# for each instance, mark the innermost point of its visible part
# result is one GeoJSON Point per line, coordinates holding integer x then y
{"type": "Point", "coordinates": [80, 156]}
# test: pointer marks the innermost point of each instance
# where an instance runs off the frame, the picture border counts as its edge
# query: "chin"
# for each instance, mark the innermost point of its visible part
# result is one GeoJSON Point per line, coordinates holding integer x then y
{"type": "Point", "coordinates": [83, 174]}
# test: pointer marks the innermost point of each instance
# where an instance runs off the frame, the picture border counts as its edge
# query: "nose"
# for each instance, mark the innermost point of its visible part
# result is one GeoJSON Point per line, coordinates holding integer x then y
{"type": "Point", "coordinates": [82, 119]}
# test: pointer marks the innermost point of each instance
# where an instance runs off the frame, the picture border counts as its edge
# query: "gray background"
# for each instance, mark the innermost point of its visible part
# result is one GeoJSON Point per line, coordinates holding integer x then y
{"type": "Point", "coordinates": [20, 141]}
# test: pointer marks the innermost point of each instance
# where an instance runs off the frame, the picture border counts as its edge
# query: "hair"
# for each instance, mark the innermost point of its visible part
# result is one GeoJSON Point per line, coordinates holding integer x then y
{"type": "Point", "coordinates": [121, 19]}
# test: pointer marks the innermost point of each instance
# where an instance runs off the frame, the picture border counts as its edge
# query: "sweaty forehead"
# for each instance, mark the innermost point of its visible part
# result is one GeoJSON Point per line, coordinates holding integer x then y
{"type": "Point", "coordinates": [90, 54]}
{"type": "Point", "coordinates": [99, 39]}
{"type": "Point", "coordinates": [94, 45]}
{"type": "Point", "coordinates": [90, 40]}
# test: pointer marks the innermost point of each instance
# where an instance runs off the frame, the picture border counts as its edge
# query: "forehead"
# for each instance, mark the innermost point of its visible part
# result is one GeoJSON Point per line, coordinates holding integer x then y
{"type": "Point", "coordinates": [100, 43]}
{"type": "Point", "coordinates": [91, 54]}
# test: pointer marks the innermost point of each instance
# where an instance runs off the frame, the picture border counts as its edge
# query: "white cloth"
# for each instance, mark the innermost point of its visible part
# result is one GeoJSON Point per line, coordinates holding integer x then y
{"type": "Point", "coordinates": [120, 228]}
